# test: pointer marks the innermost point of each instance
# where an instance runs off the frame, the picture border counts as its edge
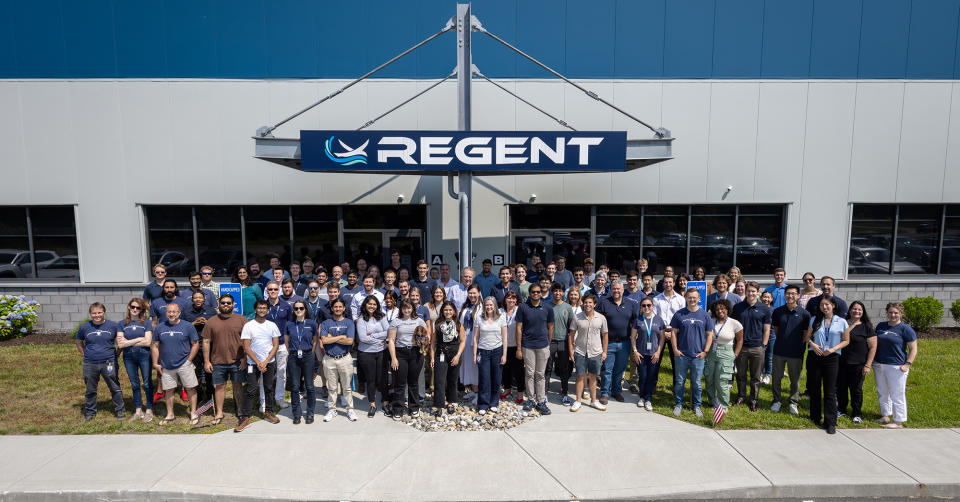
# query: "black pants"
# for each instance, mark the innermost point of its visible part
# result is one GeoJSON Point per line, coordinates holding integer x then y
{"type": "Point", "coordinates": [445, 376]}
{"type": "Point", "coordinates": [204, 380]}
{"type": "Point", "coordinates": [301, 368]}
{"type": "Point", "coordinates": [407, 377]}
{"type": "Point", "coordinates": [513, 376]}
{"type": "Point", "coordinates": [92, 373]}
{"type": "Point", "coordinates": [673, 371]}
{"type": "Point", "coordinates": [372, 366]}
{"type": "Point", "coordinates": [253, 387]}
{"type": "Point", "coordinates": [822, 374]}
{"type": "Point", "coordinates": [850, 388]}
{"type": "Point", "coordinates": [559, 363]}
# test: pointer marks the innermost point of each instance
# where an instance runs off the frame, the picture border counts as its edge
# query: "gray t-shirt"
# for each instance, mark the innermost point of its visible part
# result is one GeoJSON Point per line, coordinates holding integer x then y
{"type": "Point", "coordinates": [490, 333]}
{"type": "Point", "coordinates": [587, 340]}
{"type": "Point", "coordinates": [562, 316]}
{"type": "Point", "coordinates": [405, 329]}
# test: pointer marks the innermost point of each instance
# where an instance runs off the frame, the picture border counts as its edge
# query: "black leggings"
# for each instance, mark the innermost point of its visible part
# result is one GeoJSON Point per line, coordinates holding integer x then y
{"type": "Point", "coordinates": [513, 376]}
{"type": "Point", "coordinates": [445, 376]}
{"type": "Point", "coordinates": [850, 388]}
{"type": "Point", "coordinates": [407, 375]}
{"type": "Point", "coordinates": [373, 369]}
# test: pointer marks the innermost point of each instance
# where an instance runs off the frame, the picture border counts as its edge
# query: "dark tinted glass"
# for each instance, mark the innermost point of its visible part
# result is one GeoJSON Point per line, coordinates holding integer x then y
{"type": "Point", "coordinates": [218, 239]}
{"type": "Point", "coordinates": [759, 236]}
{"type": "Point", "coordinates": [315, 234]}
{"type": "Point", "coordinates": [711, 238]}
{"type": "Point", "coordinates": [54, 235]}
{"type": "Point", "coordinates": [543, 217]}
{"type": "Point", "coordinates": [383, 216]}
{"type": "Point", "coordinates": [268, 232]}
{"type": "Point", "coordinates": [14, 247]}
{"type": "Point", "coordinates": [871, 238]}
{"type": "Point", "coordinates": [665, 238]}
{"type": "Point", "coordinates": [918, 235]}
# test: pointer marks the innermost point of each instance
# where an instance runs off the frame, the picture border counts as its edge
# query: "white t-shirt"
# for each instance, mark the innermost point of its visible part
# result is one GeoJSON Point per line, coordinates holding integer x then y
{"type": "Point", "coordinates": [511, 322]}
{"type": "Point", "coordinates": [490, 333]}
{"type": "Point", "coordinates": [726, 332]}
{"type": "Point", "coordinates": [261, 337]}
{"type": "Point", "coordinates": [405, 329]}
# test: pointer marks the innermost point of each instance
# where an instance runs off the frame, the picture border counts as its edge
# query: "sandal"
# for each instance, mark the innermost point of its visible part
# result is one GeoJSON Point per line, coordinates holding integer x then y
{"type": "Point", "coordinates": [165, 421]}
{"type": "Point", "coordinates": [194, 421]}
{"type": "Point", "coordinates": [216, 420]}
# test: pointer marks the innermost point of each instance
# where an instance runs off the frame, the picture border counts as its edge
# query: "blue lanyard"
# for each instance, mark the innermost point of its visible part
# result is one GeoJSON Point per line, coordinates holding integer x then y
{"type": "Point", "coordinates": [297, 325]}
{"type": "Point", "coordinates": [273, 315]}
{"type": "Point", "coordinates": [649, 327]}
{"type": "Point", "coordinates": [826, 332]}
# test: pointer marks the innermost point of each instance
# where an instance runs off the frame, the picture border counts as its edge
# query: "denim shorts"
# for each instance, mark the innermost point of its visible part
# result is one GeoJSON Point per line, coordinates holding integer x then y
{"type": "Point", "coordinates": [584, 364]}
{"type": "Point", "coordinates": [222, 372]}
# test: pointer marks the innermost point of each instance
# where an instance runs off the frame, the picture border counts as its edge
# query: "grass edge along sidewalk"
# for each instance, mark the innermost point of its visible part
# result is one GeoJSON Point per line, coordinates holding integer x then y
{"type": "Point", "coordinates": [44, 395]}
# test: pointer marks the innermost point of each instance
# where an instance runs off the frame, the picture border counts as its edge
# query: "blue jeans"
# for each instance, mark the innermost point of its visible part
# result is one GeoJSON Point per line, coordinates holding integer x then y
{"type": "Point", "coordinates": [647, 374]}
{"type": "Point", "coordinates": [138, 359]}
{"type": "Point", "coordinates": [490, 372]}
{"type": "Point", "coordinates": [611, 377]}
{"type": "Point", "coordinates": [695, 365]}
{"type": "Point", "coordinates": [768, 356]}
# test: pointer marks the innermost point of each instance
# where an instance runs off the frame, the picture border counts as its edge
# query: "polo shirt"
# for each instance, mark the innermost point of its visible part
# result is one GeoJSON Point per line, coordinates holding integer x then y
{"type": "Point", "coordinates": [892, 343]}
{"type": "Point", "coordinates": [692, 330]}
{"type": "Point", "coordinates": [174, 341]}
{"type": "Point", "coordinates": [777, 291]}
{"type": "Point", "coordinates": [486, 283]}
{"type": "Point", "coordinates": [279, 314]}
{"type": "Point", "coordinates": [290, 299]}
{"type": "Point", "coordinates": [620, 318]}
{"type": "Point", "coordinates": [829, 336]}
{"type": "Point", "coordinates": [752, 317]}
{"type": "Point", "coordinates": [499, 291]}
{"type": "Point", "coordinates": [813, 306]}
{"type": "Point", "coordinates": [425, 288]}
{"type": "Point", "coordinates": [299, 335]}
{"type": "Point", "coordinates": [332, 327]}
{"type": "Point", "coordinates": [158, 307]}
{"type": "Point", "coordinates": [209, 299]}
{"type": "Point", "coordinates": [535, 320]}
{"type": "Point", "coordinates": [789, 325]}
{"type": "Point", "coordinates": [316, 309]}
{"type": "Point", "coordinates": [347, 293]}
{"type": "Point", "coordinates": [152, 291]}
{"type": "Point", "coordinates": [191, 314]}
{"type": "Point", "coordinates": [98, 341]}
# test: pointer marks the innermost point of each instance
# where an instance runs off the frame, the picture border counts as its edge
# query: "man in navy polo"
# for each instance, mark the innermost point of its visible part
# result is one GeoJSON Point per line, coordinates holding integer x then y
{"type": "Point", "coordinates": [621, 314]}
{"type": "Point", "coordinates": [197, 314]}
{"type": "Point", "coordinates": [506, 284]}
{"type": "Point", "coordinates": [829, 288]}
{"type": "Point", "coordinates": [756, 319]}
{"type": "Point", "coordinates": [692, 330]}
{"type": "Point", "coordinates": [288, 292]}
{"type": "Point", "coordinates": [534, 328]}
{"type": "Point", "coordinates": [196, 285]}
{"type": "Point", "coordinates": [154, 288]}
{"type": "Point", "coordinates": [423, 282]}
{"type": "Point", "coordinates": [790, 322]}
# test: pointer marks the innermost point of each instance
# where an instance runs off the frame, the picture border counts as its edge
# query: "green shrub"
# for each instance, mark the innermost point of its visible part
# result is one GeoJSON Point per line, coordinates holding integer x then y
{"type": "Point", "coordinates": [955, 311]}
{"type": "Point", "coordinates": [17, 316]}
{"type": "Point", "coordinates": [922, 313]}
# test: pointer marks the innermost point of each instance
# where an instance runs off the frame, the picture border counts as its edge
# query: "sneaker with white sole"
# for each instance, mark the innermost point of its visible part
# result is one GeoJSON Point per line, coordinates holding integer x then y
{"type": "Point", "coordinates": [648, 406]}
{"type": "Point", "coordinates": [482, 412]}
{"type": "Point", "coordinates": [494, 409]}
{"type": "Point", "coordinates": [793, 409]}
{"type": "Point", "coordinates": [263, 407]}
{"type": "Point", "coordinates": [676, 410]}
{"type": "Point", "coordinates": [597, 405]}
{"type": "Point", "coordinates": [283, 403]}
{"type": "Point", "coordinates": [352, 415]}
{"type": "Point", "coordinates": [775, 407]}
{"type": "Point", "coordinates": [575, 406]}
{"type": "Point", "coordinates": [640, 403]}
{"type": "Point", "coordinates": [329, 416]}
{"type": "Point", "coordinates": [566, 401]}
{"type": "Point", "coordinates": [765, 379]}
{"type": "Point", "coordinates": [857, 420]}
{"type": "Point", "coordinates": [698, 412]}
{"type": "Point", "coordinates": [586, 394]}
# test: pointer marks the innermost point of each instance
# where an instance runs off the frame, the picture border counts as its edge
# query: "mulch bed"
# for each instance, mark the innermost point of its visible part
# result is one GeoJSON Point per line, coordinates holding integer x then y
{"type": "Point", "coordinates": [942, 333]}
{"type": "Point", "coordinates": [40, 339]}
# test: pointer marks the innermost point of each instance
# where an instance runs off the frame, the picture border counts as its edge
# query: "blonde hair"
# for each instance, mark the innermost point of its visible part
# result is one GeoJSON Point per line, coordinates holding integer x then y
{"type": "Point", "coordinates": [575, 289]}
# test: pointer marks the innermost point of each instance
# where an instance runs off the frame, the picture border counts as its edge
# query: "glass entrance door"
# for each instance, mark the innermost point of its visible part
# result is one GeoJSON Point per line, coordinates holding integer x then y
{"type": "Point", "coordinates": [367, 245]}
{"type": "Point", "coordinates": [374, 246]}
{"type": "Point", "coordinates": [546, 244]}
{"type": "Point", "coordinates": [410, 245]}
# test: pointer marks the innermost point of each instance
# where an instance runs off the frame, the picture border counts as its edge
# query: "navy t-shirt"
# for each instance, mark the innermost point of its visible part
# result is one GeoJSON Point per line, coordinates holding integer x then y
{"type": "Point", "coordinates": [98, 341]}
{"type": "Point", "coordinates": [158, 307]}
{"type": "Point", "coordinates": [152, 291]}
{"type": "Point", "coordinates": [301, 334]}
{"type": "Point", "coordinates": [892, 343]}
{"type": "Point", "coordinates": [134, 329]}
{"type": "Point", "coordinates": [499, 291]}
{"type": "Point", "coordinates": [343, 327]}
{"type": "Point", "coordinates": [191, 314]}
{"type": "Point", "coordinates": [692, 330]}
{"type": "Point", "coordinates": [425, 288]}
{"type": "Point", "coordinates": [644, 336]}
{"type": "Point", "coordinates": [790, 325]}
{"type": "Point", "coordinates": [175, 341]}
{"type": "Point", "coordinates": [535, 319]}
{"type": "Point", "coordinates": [347, 294]}
{"type": "Point", "coordinates": [209, 299]}
{"type": "Point", "coordinates": [620, 318]}
{"type": "Point", "coordinates": [279, 314]}
{"type": "Point", "coordinates": [752, 317]}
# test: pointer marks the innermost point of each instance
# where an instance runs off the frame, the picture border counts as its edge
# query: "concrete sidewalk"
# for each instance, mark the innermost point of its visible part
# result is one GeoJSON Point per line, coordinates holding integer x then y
{"type": "Point", "coordinates": [623, 453]}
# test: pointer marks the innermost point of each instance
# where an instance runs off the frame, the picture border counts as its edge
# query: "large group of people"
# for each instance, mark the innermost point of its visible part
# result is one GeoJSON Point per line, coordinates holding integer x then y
{"type": "Point", "coordinates": [418, 342]}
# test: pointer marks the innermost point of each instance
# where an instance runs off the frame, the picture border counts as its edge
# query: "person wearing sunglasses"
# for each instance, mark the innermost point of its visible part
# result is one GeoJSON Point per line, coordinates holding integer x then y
{"type": "Point", "coordinates": [207, 282]}
{"type": "Point", "coordinates": [646, 342]}
{"type": "Point", "coordinates": [278, 312]}
{"type": "Point", "coordinates": [534, 328]}
{"type": "Point", "coordinates": [133, 338]}
{"type": "Point", "coordinates": [809, 289]}
{"type": "Point", "coordinates": [223, 355]}
{"type": "Point", "coordinates": [154, 288]}
{"type": "Point", "coordinates": [300, 336]}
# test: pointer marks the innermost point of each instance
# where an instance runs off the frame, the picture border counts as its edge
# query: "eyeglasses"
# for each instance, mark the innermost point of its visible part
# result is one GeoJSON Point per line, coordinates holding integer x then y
{"type": "Point", "coordinates": [272, 289]}
{"type": "Point", "coordinates": [206, 273]}
{"type": "Point", "coordinates": [534, 291]}
{"type": "Point", "coordinates": [646, 306]}
{"type": "Point", "coordinates": [298, 308]}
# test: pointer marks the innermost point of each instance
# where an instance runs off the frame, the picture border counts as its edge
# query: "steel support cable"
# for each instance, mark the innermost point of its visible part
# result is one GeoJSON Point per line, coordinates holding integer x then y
{"type": "Point", "coordinates": [658, 132]}
{"type": "Point", "coordinates": [263, 131]}
{"type": "Point", "coordinates": [535, 107]}
{"type": "Point", "coordinates": [411, 98]}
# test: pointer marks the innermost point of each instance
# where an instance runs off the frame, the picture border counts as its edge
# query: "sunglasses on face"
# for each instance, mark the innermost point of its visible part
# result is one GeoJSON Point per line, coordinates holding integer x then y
{"type": "Point", "coordinates": [226, 303]}
{"type": "Point", "coordinates": [272, 289]}
{"type": "Point", "coordinates": [158, 272]}
{"type": "Point", "coordinates": [298, 308]}
{"type": "Point", "coordinates": [313, 288]}
{"type": "Point", "coordinates": [133, 307]}
{"type": "Point", "coordinates": [534, 291]}
{"type": "Point", "coordinates": [206, 273]}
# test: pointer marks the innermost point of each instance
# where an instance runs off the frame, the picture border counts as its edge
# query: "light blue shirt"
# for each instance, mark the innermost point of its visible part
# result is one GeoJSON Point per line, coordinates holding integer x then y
{"type": "Point", "coordinates": [829, 335]}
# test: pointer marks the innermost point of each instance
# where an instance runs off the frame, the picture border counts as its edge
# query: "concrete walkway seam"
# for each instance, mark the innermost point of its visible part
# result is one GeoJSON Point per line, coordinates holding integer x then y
{"type": "Point", "coordinates": [386, 466]}
{"type": "Point", "coordinates": [555, 478]}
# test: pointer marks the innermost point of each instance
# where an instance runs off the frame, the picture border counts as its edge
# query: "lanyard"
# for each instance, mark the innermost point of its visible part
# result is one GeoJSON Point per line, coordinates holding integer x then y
{"type": "Point", "coordinates": [390, 315]}
{"type": "Point", "coordinates": [649, 327]}
{"type": "Point", "coordinates": [273, 315]}
{"type": "Point", "coordinates": [720, 330]}
{"type": "Point", "coordinates": [510, 317]}
{"type": "Point", "coordinates": [826, 331]}
{"type": "Point", "coordinates": [297, 325]}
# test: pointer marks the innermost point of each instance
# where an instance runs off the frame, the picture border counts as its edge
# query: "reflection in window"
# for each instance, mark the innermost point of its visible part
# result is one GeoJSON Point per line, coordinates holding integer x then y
{"type": "Point", "coordinates": [665, 238]}
{"type": "Point", "coordinates": [54, 243]}
{"type": "Point", "coordinates": [871, 235]}
{"type": "Point", "coordinates": [919, 230]}
{"type": "Point", "coordinates": [219, 239]}
{"type": "Point", "coordinates": [711, 238]}
{"type": "Point", "coordinates": [315, 234]}
{"type": "Point", "coordinates": [950, 255]}
{"type": "Point", "coordinates": [759, 238]}
{"type": "Point", "coordinates": [268, 233]}
{"type": "Point", "coordinates": [618, 236]}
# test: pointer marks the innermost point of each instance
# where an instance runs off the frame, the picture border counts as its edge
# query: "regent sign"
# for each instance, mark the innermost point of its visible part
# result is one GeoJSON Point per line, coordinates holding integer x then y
{"type": "Point", "coordinates": [452, 151]}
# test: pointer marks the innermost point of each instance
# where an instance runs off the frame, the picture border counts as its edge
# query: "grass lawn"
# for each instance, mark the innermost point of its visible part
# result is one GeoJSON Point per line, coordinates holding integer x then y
{"type": "Point", "coordinates": [932, 398]}
{"type": "Point", "coordinates": [43, 394]}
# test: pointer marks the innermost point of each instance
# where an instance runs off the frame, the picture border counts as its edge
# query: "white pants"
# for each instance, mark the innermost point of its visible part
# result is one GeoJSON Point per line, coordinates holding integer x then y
{"type": "Point", "coordinates": [282, 353]}
{"type": "Point", "coordinates": [891, 390]}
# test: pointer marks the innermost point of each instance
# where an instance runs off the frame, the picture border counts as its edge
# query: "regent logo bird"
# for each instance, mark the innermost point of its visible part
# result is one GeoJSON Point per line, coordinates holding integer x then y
{"type": "Point", "coordinates": [349, 157]}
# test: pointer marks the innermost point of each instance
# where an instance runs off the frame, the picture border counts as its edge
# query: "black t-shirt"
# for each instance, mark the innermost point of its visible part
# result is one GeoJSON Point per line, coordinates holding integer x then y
{"type": "Point", "coordinates": [856, 352]}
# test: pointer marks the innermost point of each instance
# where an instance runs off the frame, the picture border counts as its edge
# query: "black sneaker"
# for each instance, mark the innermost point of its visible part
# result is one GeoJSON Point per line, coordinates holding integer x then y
{"type": "Point", "coordinates": [372, 412]}
{"type": "Point", "coordinates": [542, 408]}
{"type": "Point", "coordinates": [296, 420]}
{"type": "Point", "coordinates": [308, 420]}
{"type": "Point", "coordinates": [387, 412]}
{"type": "Point", "coordinates": [831, 429]}
{"type": "Point", "coordinates": [87, 418]}
{"type": "Point", "coordinates": [120, 415]}
{"type": "Point", "coordinates": [527, 405]}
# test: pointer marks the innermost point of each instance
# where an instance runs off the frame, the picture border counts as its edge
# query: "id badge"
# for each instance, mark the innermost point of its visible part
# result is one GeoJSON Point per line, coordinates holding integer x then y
{"type": "Point", "coordinates": [109, 368]}
{"type": "Point", "coordinates": [649, 346]}
{"type": "Point", "coordinates": [442, 359]}
{"type": "Point", "coordinates": [299, 354]}
{"type": "Point", "coordinates": [250, 369]}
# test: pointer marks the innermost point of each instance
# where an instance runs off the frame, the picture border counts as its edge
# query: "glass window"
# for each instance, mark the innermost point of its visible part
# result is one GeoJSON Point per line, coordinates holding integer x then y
{"type": "Point", "coordinates": [950, 255]}
{"type": "Point", "coordinates": [219, 239]}
{"type": "Point", "coordinates": [665, 238]}
{"type": "Point", "coordinates": [54, 243]}
{"type": "Point", "coordinates": [170, 233]}
{"type": "Point", "coordinates": [618, 236]}
{"type": "Point", "coordinates": [918, 232]}
{"type": "Point", "coordinates": [871, 235]}
{"type": "Point", "coordinates": [540, 216]}
{"type": "Point", "coordinates": [268, 233]}
{"type": "Point", "coordinates": [711, 238]}
{"type": "Point", "coordinates": [14, 245]}
{"type": "Point", "coordinates": [399, 216]}
{"type": "Point", "coordinates": [315, 234]}
{"type": "Point", "coordinates": [759, 235]}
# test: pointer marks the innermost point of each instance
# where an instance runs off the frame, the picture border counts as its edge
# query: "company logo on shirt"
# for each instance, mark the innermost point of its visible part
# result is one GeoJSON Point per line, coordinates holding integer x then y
{"type": "Point", "coordinates": [888, 333]}
{"type": "Point", "coordinates": [100, 332]}
{"type": "Point", "coordinates": [171, 333]}
{"type": "Point", "coordinates": [336, 328]}
{"type": "Point", "coordinates": [692, 322]}
{"type": "Point", "coordinates": [348, 158]}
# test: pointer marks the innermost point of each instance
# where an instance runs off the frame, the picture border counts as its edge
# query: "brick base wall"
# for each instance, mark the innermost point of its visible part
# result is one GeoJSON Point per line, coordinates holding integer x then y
{"type": "Point", "coordinates": [61, 308]}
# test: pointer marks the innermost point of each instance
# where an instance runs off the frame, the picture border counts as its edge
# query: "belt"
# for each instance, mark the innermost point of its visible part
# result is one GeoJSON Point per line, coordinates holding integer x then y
{"type": "Point", "coordinates": [338, 357]}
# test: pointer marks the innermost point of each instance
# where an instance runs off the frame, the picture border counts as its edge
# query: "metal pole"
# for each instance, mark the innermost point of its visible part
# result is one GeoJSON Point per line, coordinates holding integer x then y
{"type": "Point", "coordinates": [464, 73]}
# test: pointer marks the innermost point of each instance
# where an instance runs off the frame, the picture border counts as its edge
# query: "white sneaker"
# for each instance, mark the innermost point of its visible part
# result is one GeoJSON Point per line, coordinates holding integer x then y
{"type": "Point", "coordinates": [648, 406]}
{"type": "Point", "coordinates": [857, 420]}
{"type": "Point", "coordinates": [330, 414]}
{"type": "Point", "coordinates": [494, 409]}
{"type": "Point", "coordinates": [698, 412]}
{"type": "Point", "coordinates": [597, 405]}
{"type": "Point", "coordinates": [765, 380]}
{"type": "Point", "coordinates": [586, 394]}
{"type": "Point", "coordinates": [483, 412]}
{"type": "Point", "coordinates": [676, 410]}
{"type": "Point", "coordinates": [794, 410]}
{"type": "Point", "coordinates": [640, 403]}
{"type": "Point", "coordinates": [263, 407]}
{"type": "Point", "coordinates": [352, 415]}
{"type": "Point", "coordinates": [775, 407]}
{"type": "Point", "coordinates": [575, 406]}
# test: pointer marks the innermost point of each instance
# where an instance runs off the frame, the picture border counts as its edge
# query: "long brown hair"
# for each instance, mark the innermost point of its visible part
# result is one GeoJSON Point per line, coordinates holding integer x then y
{"type": "Point", "coordinates": [144, 310]}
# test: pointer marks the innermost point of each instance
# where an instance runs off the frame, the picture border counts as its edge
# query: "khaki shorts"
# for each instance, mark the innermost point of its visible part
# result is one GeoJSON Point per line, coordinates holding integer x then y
{"type": "Point", "coordinates": [186, 373]}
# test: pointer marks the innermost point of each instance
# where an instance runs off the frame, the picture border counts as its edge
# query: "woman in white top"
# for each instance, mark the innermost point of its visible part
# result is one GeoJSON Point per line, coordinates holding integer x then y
{"type": "Point", "coordinates": [574, 298]}
{"type": "Point", "coordinates": [468, 368]}
{"type": "Point", "coordinates": [718, 368]}
{"type": "Point", "coordinates": [490, 337]}
{"type": "Point", "coordinates": [512, 376]}
{"type": "Point", "coordinates": [809, 289]}
{"type": "Point", "coordinates": [372, 330]}
{"type": "Point", "coordinates": [405, 359]}
{"type": "Point", "coordinates": [446, 353]}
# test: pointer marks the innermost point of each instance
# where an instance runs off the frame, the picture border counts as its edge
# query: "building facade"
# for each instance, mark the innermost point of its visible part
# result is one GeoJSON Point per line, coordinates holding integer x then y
{"type": "Point", "coordinates": [815, 135]}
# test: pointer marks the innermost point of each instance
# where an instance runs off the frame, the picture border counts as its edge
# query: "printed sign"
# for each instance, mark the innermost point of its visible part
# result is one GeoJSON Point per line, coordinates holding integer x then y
{"type": "Point", "coordinates": [233, 289]}
{"type": "Point", "coordinates": [436, 259]}
{"type": "Point", "coordinates": [700, 286]}
{"type": "Point", "coordinates": [498, 259]}
{"type": "Point", "coordinates": [451, 151]}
